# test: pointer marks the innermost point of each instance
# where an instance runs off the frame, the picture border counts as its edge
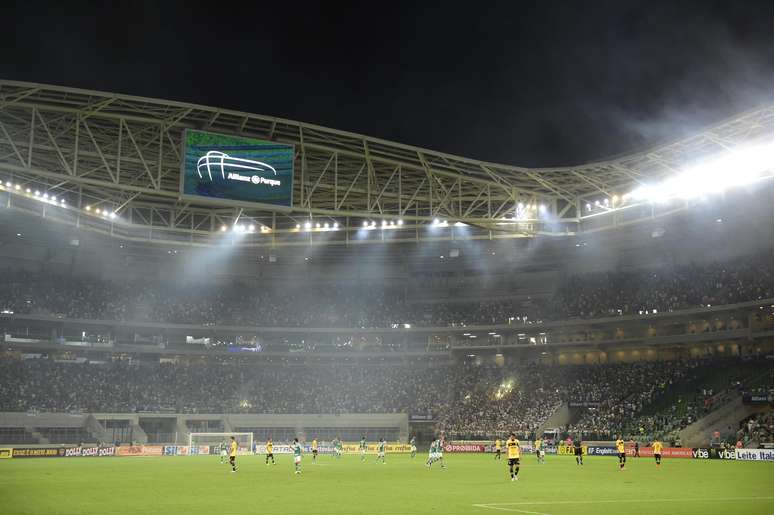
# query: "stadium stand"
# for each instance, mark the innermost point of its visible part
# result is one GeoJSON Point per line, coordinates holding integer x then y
{"type": "Point", "coordinates": [376, 305]}
{"type": "Point", "coordinates": [468, 401]}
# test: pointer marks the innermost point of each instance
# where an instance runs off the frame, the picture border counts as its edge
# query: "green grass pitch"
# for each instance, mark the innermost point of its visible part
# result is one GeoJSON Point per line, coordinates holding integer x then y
{"type": "Point", "coordinates": [475, 484]}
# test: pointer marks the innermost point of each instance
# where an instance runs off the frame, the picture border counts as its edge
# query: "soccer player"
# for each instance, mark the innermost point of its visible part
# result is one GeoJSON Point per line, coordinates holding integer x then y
{"type": "Point", "coordinates": [657, 448]}
{"type": "Point", "coordinates": [270, 452]}
{"type": "Point", "coordinates": [636, 449]}
{"type": "Point", "coordinates": [514, 456]}
{"type": "Point", "coordinates": [363, 449]}
{"type": "Point", "coordinates": [431, 453]}
{"type": "Point", "coordinates": [297, 455]}
{"type": "Point", "coordinates": [498, 448]}
{"type": "Point", "coordinates": [538, 448]}
{"type": "Point", "coordinates": [314, 450]}
{"type": "Point", "coordinates": [232, 453]}
{"type": "Point", "coordinates": [578, 452]}
{"type": "Point", "coordinates": [413, 443]}
{"type": "Point", "coordinates": [621, 447]}
{"type": "Point", "coordinates": [223, 452]}
{"type": "Point", "coordinates": [439, 451]}
{"type": "Point", "coordinates": [380, 451]}
{"type": "Point", "coordinates": [339, 448]}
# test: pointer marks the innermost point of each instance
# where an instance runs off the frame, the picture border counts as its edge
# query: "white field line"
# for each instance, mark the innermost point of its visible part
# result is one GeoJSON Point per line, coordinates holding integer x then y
{"type": "Point", "coordinates": [509, 506]}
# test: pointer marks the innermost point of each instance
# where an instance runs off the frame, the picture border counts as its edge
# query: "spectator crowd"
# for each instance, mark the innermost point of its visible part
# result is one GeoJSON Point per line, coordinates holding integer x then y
{"type": "Point", "coordinates": [465, 399]}
{"type": "Point", "coordinates": [376, 304]}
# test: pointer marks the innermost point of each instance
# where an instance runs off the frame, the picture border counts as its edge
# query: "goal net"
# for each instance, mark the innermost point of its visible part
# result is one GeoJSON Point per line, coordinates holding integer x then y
{"type": "Point", "coordinates": [213, 440]}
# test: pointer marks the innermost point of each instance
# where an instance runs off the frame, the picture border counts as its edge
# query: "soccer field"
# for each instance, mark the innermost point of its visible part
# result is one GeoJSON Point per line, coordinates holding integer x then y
{"type": "Point", "coordinates": [471, 484]}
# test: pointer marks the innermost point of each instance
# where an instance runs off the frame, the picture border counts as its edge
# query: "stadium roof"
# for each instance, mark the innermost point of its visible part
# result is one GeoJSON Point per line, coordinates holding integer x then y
{"type": "Point", "coordinates": [120, 156]}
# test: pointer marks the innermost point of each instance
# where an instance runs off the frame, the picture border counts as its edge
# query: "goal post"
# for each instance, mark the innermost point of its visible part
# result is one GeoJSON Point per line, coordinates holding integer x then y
{"type": "Point", "coordinates": [244, 440]}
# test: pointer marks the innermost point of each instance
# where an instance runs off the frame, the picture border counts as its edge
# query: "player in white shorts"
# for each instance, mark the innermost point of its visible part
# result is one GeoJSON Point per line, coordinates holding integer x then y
{"type": "Point", "coordinates": [297, 455]}
{"type": "Point", "coordinates": [380, 450]}
{"type": "Point", "coordinates": [223, 452]}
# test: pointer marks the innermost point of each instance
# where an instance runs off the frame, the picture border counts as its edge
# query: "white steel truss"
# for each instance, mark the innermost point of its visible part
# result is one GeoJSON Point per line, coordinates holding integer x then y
{"type": "Point", "coordinates": [119, 156]}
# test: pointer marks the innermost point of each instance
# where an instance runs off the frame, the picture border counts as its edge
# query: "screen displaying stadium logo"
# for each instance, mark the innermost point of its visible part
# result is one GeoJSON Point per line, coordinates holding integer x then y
{"type": "Point", "coordinates": [221, 167]}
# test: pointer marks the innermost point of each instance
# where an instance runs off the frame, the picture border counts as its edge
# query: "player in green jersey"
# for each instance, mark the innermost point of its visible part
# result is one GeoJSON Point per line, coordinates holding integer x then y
{"type": "Point", "coordinates": [297, 455]}
{"type": "Point", "coordinates": [223, 452]}
{"type": "Point", "coordinates": [338, 448]}
{"type": "Point", "coordinates": [380, 451]}
{"type": "Point", "coordinates": [363, 449]}
{"type": "Point", "coordinates": [431, 453]}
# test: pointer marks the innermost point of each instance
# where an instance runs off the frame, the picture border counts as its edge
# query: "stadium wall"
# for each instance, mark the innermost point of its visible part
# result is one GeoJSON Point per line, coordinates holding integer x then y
{"type": "Point", "coordinates": [301, 425]}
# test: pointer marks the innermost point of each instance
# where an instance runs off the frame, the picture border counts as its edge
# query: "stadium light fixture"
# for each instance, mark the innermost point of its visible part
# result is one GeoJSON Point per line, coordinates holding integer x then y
{"type": "Point", "coordinates": [17, 187]}
{"type": "Point", "coordinates": [223, 228]}
{"type": "Point", "coordinates": [308, 225]}
{"type": "Point", "coordinates": [542, 208]}
{"type": "Point", "coordinates": [29, 191]}
{"type": "Point", "coordinates": [88, 208]}
{"type": "Point", "coordinates": [400, 222]}
{"type": "Point", "coordinates": [335, 226]}
{"type": "Point", "coordinates": [326, 226]}
{"type": "Point", "coordinates": [737, 167]}
{"type": "Point", "coordinates": [53, 199]}
{"type": "Point", "coordinates": [112, 214]}
{"type": "Point", "coordinates": [298, 226]}
{"type": "Point", "coordinates": [317, 225]}
{"type": "Point", "coordinates": [365, 223]}
{"type": "Point", "coordinates": [251, 228]}
{"type": "Point", "coordinates": [373, 224]}
{"type": "Point", "coordinates": [384, 223]}
{"type": "Point", "coordinates": [436, 221]}
{"type": "Point", "coordinates": [8, 184]}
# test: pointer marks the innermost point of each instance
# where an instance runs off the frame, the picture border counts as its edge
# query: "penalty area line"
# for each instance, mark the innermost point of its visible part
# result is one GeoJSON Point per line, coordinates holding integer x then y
{"type": "Point", "coordinates": [510, 506]}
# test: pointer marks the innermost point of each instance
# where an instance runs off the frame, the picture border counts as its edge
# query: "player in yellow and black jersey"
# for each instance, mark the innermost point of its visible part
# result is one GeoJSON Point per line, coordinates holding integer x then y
{"type": "Point", "coordinates": [657, 448]}
{"type": "Point", "coordinates": [498, 449]}
{"type": "Point", "coordinates": [621, 448]}
{"type": "Point", "coordinates": [232, 453]}
{"type": "Point", "coordinates": [512, 447]}
{"type": "Point", "coordinates": [314, 450]}
{"type": "Point", "coordinates": [270, 452]}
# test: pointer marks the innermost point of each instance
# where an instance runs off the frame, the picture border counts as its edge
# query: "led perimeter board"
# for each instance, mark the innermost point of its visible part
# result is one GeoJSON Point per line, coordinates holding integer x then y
{"type": "Point", "coordinates": [218, 167]}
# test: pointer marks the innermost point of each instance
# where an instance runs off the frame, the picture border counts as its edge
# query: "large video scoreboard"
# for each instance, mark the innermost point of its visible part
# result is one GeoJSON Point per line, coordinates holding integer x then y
{"type": "Point", "coordinates": [219, 167]}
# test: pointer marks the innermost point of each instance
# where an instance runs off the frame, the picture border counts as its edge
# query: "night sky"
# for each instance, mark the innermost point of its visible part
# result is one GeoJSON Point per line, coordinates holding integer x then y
{"type": "Point", "coordinates": [526, 83]}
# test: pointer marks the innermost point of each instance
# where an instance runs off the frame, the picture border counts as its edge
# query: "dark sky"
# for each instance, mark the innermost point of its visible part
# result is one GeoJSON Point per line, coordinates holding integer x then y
{"type": "Point", "coordinates": [527, 83]}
